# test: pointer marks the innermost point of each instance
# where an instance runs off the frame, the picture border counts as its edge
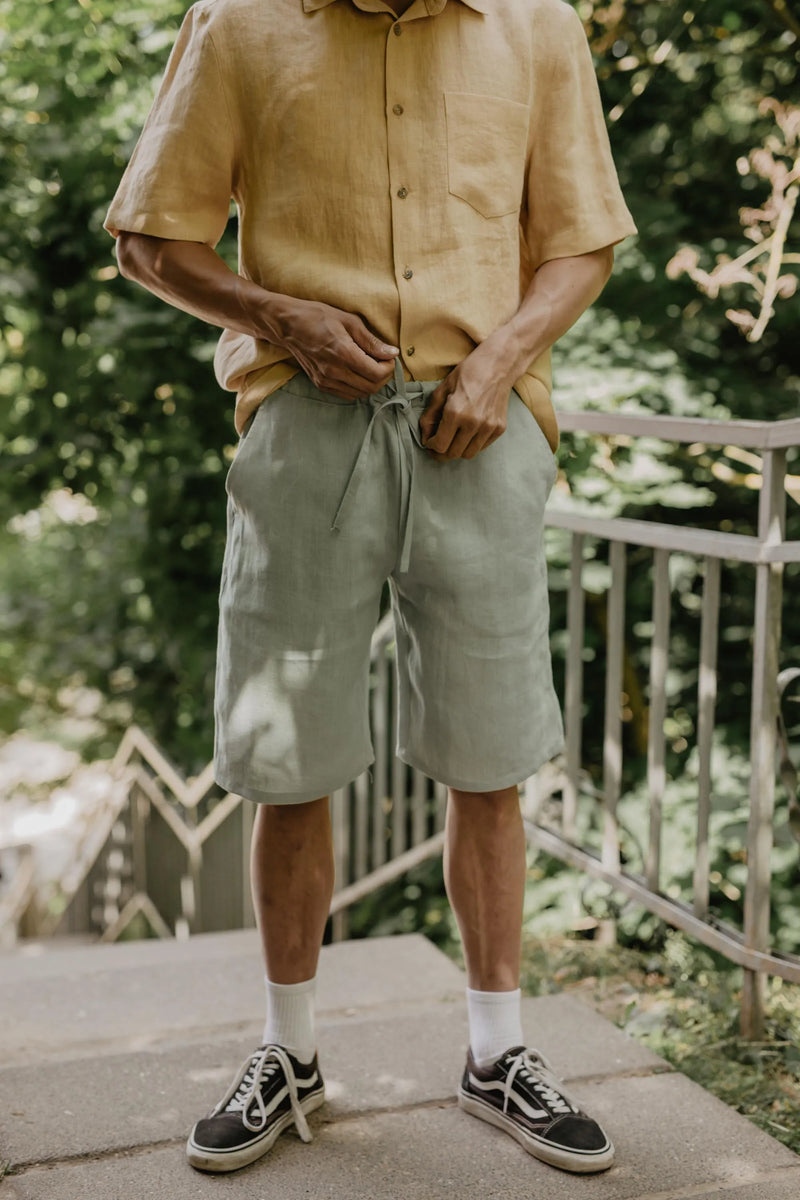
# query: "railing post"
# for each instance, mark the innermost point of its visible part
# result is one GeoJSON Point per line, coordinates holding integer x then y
{"type": "Point", "coordinates": [612, 733]}
{"type": "Point", "coordinates": [247, 809]}
{"type": "Point", "coordinates": [573, 687]}
{"type": "Point", "coordinates": [764, 713]}
{"type": "Point", "coordinates": [656, 751]}
{"type": "Point", "coordinates": [340, 824]}
{"type": "Point", "coordinates": [706, 706]}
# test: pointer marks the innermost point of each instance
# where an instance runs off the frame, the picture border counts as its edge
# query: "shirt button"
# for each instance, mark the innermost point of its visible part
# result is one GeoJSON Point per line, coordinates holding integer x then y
{"type": "Point", "coordinates": [397, 29]}
{"type": "Point", "coordinates": [410, 351]}
{"type": "Point", "coordinates": [402, 193]}
{"type": "Point", "coordinates": [398, 110]}
{"type": "Point", "coordinates": [408, 273]}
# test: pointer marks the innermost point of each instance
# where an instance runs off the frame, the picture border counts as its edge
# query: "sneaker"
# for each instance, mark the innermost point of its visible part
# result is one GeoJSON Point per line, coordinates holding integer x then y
{"type": "Point", "coordinates": [520, 1093]}
{"type": "Point", "coordinates": [272, 1090]}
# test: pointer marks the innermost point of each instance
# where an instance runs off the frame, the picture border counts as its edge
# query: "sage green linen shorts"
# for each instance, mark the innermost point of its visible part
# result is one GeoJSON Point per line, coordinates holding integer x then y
{"type": "Point", "coordinates": [327, 500]}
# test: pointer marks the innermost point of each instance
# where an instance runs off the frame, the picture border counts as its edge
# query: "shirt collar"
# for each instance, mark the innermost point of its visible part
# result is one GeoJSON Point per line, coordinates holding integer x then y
{"type": "Point", "coordinates": [433, 6]}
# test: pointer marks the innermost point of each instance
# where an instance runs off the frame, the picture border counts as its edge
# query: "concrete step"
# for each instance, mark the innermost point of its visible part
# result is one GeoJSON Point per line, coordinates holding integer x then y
{"type": "Point", "coordinates": [99, 1104]}
{"type": "Point", "coordinates": [137, 994]}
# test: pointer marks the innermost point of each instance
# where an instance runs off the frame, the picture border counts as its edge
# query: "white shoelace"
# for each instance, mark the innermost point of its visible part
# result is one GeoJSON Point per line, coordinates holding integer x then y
{"type": "Point", "coordinates": [246, 1090]}
{"type": "Point", "coordinates": [534, 1069]}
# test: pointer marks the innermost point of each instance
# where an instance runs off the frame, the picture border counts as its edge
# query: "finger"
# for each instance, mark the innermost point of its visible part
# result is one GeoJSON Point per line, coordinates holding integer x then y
{"type": "Point", "coordinates": [340, 373]}
{"type": "Point", "coordinates": [451, 426]}
{"type": "Point", "coordinates": [432, 415]}
{"type": "Point", "coordinates": [498, 433]}
{"type": "Point", "coordinates": [353, 363]}
{"type": "Point", "coordinates": [471, 450]}
{"type": "Point", "coordinates": [485, 439]}
{"type": "Point", "coordinates": [462, 440]}
{"type": "Point", "coordinates": [373, 347]}
{"type": "Point", "coordinates": [333, 388]}
{"type": "Point", "coordinates": [327, 381]}
{"type": "Point", "coordinates": [478, 443]}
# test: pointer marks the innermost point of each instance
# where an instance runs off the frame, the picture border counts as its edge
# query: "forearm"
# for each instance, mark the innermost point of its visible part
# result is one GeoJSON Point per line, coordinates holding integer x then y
{"type": "Point", "coordinates": [560, 291]}
{"type": "Point", "coordinates": [191, 276]}
{"type": "Point", "coordinates": [335, 348]}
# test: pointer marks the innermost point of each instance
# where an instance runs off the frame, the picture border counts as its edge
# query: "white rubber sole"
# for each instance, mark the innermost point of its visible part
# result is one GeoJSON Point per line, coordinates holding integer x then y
{"type": "Point", "coordinates": [579, 1162]}
{"type": "Point", "coordinates": [204, 1159]}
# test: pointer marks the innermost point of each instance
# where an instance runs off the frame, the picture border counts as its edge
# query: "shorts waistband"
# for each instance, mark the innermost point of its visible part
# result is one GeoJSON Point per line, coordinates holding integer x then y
{"type": "Point", "coordinates": [414, 390]}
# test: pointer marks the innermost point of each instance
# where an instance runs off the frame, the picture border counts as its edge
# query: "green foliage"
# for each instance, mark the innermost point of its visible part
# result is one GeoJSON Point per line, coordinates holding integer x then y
{"type": "Point", "coordinates": [682, 87]}
{"type": "Point", "coordinates": [683, 1002]}
{"type": "Point", "coordinates": [561, 900]}
{"type": "Point", "coordinates": [109, 392]}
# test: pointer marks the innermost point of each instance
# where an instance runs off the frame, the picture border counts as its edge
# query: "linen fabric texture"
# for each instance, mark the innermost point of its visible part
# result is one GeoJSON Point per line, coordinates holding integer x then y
{"type": "Point", "coordinates": [329, 498]}
{"type": "Point", "coordinates": [415, 171]}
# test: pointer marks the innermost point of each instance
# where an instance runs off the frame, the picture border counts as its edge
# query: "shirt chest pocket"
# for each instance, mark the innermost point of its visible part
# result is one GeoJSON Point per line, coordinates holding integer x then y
{"type": "Point", "coordinates": [487, 141]}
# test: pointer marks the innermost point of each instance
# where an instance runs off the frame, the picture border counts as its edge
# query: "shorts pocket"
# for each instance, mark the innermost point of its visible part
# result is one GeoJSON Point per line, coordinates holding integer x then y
{"type": "Point", "coordinates": [244, 439]}
{"type": "Point", "coordinates": [487, 140]}
{"type": "Point", "coordinates": [542, 450]}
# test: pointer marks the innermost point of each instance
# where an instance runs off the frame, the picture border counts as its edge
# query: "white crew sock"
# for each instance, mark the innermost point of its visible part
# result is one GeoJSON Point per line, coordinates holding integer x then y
{"type": "Point", "coordinates": [290, 1017]}
{"type": "Point", "coordinates": [495, 1024]}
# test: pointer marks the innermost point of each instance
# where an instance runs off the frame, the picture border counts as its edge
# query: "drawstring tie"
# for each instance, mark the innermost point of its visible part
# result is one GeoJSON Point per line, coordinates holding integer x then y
{"type": "Point", "coordinates": [245, 1094]}
{"type": "Point", "coordinates": [409, 433]}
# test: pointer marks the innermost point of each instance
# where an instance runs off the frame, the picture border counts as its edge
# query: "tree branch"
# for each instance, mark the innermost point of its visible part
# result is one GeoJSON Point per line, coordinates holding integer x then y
{"type": "Point", "coordinates": [784, 14]}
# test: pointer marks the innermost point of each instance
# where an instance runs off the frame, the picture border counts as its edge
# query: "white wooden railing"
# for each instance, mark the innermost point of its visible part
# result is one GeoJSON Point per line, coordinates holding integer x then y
{"type": "Point", "coordinates": [767, 551]}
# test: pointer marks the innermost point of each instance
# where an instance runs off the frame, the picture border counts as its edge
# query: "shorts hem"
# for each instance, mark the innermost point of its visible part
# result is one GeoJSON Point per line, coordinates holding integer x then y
{"type": "Point", "coordinates": [262, 796]}
{"type": "Point", "coordinates": [472, 785]}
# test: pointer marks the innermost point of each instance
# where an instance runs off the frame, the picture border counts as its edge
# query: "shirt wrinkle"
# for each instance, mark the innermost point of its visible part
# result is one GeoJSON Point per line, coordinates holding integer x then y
{"type": "Point", "coordinates": [416, 172]}
{"type": "Point", "coordinates": [232, 127]}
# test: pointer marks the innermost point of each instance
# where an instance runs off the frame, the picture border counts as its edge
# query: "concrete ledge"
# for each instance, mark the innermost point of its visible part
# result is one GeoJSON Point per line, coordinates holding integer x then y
{"type": "Point", "coordinates": [670, 1143]}
{"type": "Point", "coordinates": [136, 994]}
{"type": "Point", "coordinates": [119, 1049]}
{"type": "Point", "coordinates": [780, 1185]}
{"type": "Point", "coordinates": [98, 1104]}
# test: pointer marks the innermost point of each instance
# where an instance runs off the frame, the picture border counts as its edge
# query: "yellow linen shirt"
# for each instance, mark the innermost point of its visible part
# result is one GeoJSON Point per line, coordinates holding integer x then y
{"type": "Point", "coordinates": [414, 171]}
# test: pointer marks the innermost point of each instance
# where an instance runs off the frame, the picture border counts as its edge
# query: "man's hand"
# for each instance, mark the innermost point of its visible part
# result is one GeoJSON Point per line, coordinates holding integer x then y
{"type": "Point", "coordinates": [469, 409]}
{"type": "Point", "coordinates": [336, 349]}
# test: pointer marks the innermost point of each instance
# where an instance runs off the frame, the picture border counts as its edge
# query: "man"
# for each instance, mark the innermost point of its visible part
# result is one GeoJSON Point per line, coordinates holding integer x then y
{"type": "Point", "coordinates": [426, 201]}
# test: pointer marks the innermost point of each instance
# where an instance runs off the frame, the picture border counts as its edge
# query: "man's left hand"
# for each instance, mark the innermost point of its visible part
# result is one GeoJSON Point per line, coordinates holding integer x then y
{"type": "Point", "coordinates": [469, 409]}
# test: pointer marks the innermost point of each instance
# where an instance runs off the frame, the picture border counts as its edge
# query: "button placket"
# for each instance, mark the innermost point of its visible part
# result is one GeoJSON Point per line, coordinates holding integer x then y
{"type": "Point", "coordinates": [402, 164]}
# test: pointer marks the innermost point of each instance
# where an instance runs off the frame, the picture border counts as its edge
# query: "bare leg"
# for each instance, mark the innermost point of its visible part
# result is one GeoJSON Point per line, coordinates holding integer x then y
{"type": "Point", "coordinates": [292, 869]}
{"type": "Point", "coordinates": [484, 871]}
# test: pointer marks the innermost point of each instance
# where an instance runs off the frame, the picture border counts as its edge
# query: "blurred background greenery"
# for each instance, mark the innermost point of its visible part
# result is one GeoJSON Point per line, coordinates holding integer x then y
{"type": "Point", "coordinates": [115, 438]}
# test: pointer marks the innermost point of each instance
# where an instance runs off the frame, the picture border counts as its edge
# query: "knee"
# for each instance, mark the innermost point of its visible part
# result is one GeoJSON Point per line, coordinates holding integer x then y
{"type": "Point", "coordinates": [494, 806]}
{"type": "Point", "coordinates": [276, 819]}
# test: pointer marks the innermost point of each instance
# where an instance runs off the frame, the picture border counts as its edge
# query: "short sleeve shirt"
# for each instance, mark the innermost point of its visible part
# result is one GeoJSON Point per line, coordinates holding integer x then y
{"type": "Point", "coordinates": [416, 171]}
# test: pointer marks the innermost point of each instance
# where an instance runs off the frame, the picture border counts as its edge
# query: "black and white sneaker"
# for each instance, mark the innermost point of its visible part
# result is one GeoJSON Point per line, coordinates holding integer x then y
{"type": "Point", "coordinates": [271, 1091]}
{"type": "Point", "coordinates": [520, 1093]}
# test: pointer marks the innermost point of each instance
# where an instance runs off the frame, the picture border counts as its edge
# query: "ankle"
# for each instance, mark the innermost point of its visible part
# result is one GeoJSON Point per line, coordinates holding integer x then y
{"type": "Point", "coordinates": [495, 1023]}
{"type": "Point", "coordinates": [290, 1017]}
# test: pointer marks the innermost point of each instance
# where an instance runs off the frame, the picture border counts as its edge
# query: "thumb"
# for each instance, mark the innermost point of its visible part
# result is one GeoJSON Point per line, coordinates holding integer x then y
{"type": "Point", "coordinates": [429, 420]}
{"type": "Point", "coordinates": [368, 342]}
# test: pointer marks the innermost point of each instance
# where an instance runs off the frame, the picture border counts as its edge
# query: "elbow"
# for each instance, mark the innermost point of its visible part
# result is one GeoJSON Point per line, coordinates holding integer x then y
{"type": "Point", "coordinates": [605, 262]}
{"type": "Point", "coordinates": [126, 255]}
{"type": "Point", "coordinates": [136, 255]}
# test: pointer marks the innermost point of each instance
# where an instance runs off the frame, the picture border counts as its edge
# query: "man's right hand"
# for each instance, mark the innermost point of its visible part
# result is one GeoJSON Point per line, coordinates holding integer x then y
{"type": "Point", "coordinates": [335, 349]}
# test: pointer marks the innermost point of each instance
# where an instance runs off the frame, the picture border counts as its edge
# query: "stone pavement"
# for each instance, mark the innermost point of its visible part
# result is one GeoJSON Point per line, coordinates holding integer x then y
{"type": "Point", "coordinates": [109, 1053]}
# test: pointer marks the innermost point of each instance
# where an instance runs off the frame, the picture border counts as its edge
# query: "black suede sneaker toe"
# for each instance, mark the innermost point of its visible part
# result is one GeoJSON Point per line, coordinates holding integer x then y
{"type": "Point", "coordinates": [520, 1094]}
{"type": "Point", "coordinates": [271, 1091]}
